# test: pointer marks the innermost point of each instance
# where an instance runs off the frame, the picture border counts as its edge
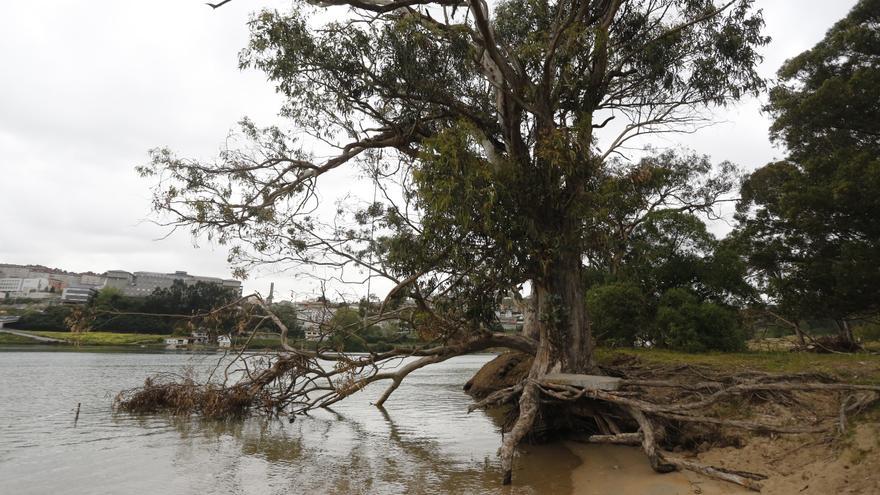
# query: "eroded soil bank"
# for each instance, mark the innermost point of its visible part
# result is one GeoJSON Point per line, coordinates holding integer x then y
{"type": "Point", "coordinates": [795, 465]}
{"type": "Point", "coordinates": [826, 462]}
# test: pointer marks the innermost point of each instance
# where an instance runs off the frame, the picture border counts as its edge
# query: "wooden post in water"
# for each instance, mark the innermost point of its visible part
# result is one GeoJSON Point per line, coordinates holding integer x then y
{"type": "Point", "coordinates": [76, 418]}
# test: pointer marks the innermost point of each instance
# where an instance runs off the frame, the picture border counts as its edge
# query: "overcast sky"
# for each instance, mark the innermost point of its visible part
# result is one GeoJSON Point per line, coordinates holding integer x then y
{"type": "Point", "coordinates": [87, 87]}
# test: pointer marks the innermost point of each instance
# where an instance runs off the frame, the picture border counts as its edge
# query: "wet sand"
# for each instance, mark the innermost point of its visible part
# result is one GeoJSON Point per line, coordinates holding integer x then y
{"type": "Point", "coordinates": [620, 470]}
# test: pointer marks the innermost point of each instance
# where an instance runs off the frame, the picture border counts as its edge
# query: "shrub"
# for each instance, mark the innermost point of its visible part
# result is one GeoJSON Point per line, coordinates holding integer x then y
{"type": "Point", "coordinates": [684, 323]}
{"type": "Point", "coordinates": [620, 313]}
{"type": "Point", "coordinates": [51, 318]}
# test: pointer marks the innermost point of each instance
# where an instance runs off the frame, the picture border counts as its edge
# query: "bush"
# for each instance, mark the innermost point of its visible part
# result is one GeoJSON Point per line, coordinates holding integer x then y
{"type": "Point", "coordinates": [51, 318]}
{"type": "Point", "coordinates": [686, 324]}
{"type": "Point", "coordinates": [620, 313]}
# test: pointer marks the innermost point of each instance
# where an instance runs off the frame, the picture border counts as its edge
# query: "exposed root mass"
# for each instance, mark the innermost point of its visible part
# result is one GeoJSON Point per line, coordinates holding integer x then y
{"type": "Point", "coordinates": [690, 407]}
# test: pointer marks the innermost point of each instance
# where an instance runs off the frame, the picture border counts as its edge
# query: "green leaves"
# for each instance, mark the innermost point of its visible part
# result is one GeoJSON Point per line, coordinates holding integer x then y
{"type": "Point", "coordinates": [809, 224]}
{"type": "Point", "coordinates": [489, 120]}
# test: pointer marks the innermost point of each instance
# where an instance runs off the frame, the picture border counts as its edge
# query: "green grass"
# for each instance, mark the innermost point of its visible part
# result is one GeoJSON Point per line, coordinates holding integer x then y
{"type": "Point", "coordinates": [104, 338]}
{"type": "Point", "coordinates": [859, 367]}
{"type": "Point", "coordinates": [9, 339]}
{"type": "Point", "coordinates": [260, 342]}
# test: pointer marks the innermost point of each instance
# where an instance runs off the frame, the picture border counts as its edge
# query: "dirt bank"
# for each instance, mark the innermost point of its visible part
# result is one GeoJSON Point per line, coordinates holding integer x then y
{"type": "Point", "coordinates": [794, 466]}
{"type": "Point", "coordinates": [810, 466]}
{"type": "Point", "coordinates": [820, 462]}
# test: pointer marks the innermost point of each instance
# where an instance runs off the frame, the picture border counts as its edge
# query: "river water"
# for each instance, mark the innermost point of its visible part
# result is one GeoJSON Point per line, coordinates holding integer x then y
{"type": "Point", "coordinates": [425, 442]}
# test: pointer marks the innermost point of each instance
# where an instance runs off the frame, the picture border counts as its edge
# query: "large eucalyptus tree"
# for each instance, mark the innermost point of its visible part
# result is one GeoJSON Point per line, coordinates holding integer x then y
{"type": "Point", "coordinates": [497, 119]}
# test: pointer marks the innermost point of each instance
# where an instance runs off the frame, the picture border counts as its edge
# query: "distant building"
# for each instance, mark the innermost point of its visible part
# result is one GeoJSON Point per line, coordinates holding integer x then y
{"type": "Point", "coordinates": [137, 284]}
{"type": "Point", "coordinates": [57, 284]}
{"type": "Point", "coordinates": [194, 338]}
{"type": "Point", "coordinates": [23, 287]}
{"type": "Point", "coordinates": [15, 271]}
{"type": "Point", "coordinates": [10, 284]}
{"type": "Point", "coordinates": [58, 279]}
{"type": "Point", "coordinates": [142, 284]}
{"type": "Point", "coordinates": [511, 318]}
{"type": "Point", "coordinates": [95, 280]}
{"type": "Point", "coordinates": [77, 295]}
{"type": "Point", "coordinates": [313, 314]}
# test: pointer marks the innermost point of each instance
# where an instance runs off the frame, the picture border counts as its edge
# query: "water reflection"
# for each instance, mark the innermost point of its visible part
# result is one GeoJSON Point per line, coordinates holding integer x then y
{"type": "Point", "coordinates": [424, 442]}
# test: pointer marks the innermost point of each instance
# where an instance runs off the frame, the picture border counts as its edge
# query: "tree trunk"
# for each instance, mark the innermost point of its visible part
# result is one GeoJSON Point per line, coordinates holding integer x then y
{"type": "Point", "coordinates": [562, 312]}
{"type": "Point", "coordinates": [565, 343]}
{"type": "Point", "coordinates": [844, 331]}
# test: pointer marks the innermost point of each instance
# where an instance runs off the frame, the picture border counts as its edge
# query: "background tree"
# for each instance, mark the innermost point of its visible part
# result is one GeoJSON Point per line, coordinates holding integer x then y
{"type": "Point", "coordinates": [649, 238]}
{"type": "Point", "coordinates": [187, 299]}
{"type": "Point", "coordinates": [809, 223]}
{"type": "Point", "coordinates": [487, 116]}
{"type": "Point", "coordinates": [286, 312]}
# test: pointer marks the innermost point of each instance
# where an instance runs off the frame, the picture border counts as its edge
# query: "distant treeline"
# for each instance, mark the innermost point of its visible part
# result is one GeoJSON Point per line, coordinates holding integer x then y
{"type": "Point", "coordinates": [162, 312]}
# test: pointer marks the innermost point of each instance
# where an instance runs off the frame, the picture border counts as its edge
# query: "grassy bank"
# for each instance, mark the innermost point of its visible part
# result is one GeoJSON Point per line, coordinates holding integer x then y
{"type": "Point", "coordinates": [859, 367]}
{"type": "Point", "coordinates": [9, 339]}
{"type": "Point", "coordinates": [100, 338]}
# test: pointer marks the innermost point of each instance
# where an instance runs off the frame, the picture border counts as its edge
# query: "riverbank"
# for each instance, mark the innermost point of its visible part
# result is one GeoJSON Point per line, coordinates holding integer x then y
{"type": "Point", "coordinates": [818, 463]}
{"type": "Point", "coordinates": [793, 465]}
{"type": "Point", "coordinates": [813, 464]}
{"type": "Point", "coordinates": [261, 342]}
{"type": "Point", "coordinates": [31, 337]}
{"type": "Point", "coordinates": [861, 367]}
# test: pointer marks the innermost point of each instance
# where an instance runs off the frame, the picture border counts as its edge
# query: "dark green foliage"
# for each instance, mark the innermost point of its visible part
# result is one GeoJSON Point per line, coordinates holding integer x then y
{"type": "Point", "coordinates": [111, 311]}
{"type": "Point", "coordinates": [808, 224]}
{"type": "Point", "coordinates": [160, 313]}
{"type": "Point", "coordinates": [187, 299]}
{"type": "Point", "coordinates": [286, 312]}
{"type": "Point", "coordinates": [49, 319]}
{"type": "Point", "coordinates": [346, 330]}
{"type": "Point", "coordinates": [686, 324]}
{"type": "Point", "coordinates": [650, 242]}
{"type": "Point", "coordinates": [621, 314]}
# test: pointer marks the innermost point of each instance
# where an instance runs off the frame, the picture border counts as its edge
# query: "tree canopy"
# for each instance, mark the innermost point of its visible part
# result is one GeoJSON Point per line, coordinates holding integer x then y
{"type": "Point", "coordinates": [488, 129]}
{"type": "Point", "coordinates": [809, 222]}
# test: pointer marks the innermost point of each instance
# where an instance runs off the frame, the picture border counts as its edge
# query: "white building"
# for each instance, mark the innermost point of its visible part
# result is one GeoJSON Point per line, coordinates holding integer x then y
{"type": "Point", "coordinates": [10, 284]}
{"type": "Point", "coordinates": [312, 314]}
{"type": "Point", "coordinates": [196, 339]}
{"type": "Point", "coordinates": [23, 286]}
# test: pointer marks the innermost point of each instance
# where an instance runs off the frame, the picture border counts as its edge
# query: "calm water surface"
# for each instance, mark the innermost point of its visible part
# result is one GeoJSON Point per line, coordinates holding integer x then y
{"type": "Point", "coordinates": [425, 442]}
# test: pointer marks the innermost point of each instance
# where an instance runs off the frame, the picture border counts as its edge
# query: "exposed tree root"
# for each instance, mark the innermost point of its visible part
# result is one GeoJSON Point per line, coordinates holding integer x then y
{"type": "Point", "coordinates": [528, 411]}
{"type": "Point", "coordinates": [748, 480]}
{"type": "Point", "coordinates": [632, 439]}
{"type": "Point", "coordinates": [690, 399]}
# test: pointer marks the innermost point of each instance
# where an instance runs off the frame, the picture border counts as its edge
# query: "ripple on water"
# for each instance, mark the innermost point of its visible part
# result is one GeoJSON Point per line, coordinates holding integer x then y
{"type": "Point", "coordinates": [423, 443]}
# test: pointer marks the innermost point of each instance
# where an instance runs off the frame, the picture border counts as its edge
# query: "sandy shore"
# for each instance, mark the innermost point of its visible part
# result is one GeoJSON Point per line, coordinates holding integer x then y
{"type": "Point", "coordinates": [619, 470]}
